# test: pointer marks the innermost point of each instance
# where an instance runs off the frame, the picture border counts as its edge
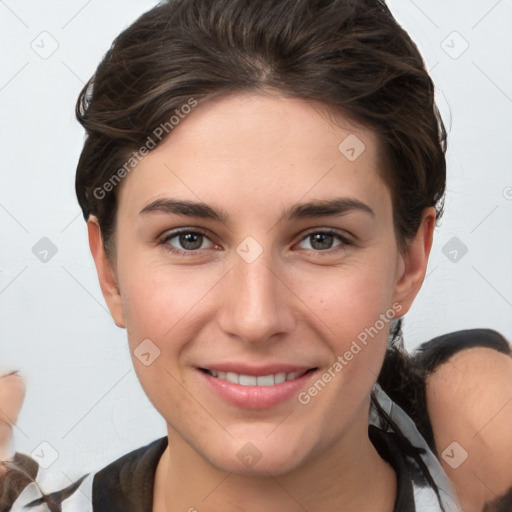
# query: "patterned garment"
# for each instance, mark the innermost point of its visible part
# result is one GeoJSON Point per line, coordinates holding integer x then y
{"type": "Point", "coordinates": [126, 485]}
{"type": "Point", "coordinates": [431, 488]}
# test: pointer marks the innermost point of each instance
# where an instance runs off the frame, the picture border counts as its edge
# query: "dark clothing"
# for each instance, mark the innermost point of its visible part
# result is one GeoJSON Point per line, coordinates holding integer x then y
{"type": "Point", "coordinates": [127, 484]}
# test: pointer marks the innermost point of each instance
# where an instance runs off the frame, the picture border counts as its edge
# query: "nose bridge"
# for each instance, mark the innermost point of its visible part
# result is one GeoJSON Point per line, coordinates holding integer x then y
{"type": "Point", "coordinates": [255, 306]}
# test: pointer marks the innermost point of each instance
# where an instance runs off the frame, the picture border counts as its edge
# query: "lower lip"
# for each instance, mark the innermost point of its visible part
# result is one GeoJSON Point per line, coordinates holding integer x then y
{"type": "Point", "coordinates": [256, 397]}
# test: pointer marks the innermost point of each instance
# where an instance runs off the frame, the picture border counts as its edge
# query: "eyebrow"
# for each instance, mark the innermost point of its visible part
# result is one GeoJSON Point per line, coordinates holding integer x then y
{"type": "Point", "coordinates": [311, 209]}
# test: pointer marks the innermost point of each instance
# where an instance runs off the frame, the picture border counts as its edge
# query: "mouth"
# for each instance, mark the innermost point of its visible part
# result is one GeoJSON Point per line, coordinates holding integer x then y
{"type": "Point", "coordinates": [265, 388]}
{"type": "Point", "coordinates": [257, 380]}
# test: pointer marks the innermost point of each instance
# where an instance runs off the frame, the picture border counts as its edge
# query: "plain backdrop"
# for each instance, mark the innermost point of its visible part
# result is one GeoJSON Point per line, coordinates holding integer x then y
{"type": "Point", "coordinates": [84, 402]}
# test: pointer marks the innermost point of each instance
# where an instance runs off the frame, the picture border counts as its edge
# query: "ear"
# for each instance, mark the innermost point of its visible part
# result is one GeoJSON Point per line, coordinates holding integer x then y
{"type": "Point", "coordinates": [106, 274]}
{"type": "Point", "coordinates": [413, 262]}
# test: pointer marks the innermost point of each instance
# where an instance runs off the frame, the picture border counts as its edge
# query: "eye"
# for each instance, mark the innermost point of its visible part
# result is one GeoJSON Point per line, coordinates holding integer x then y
{"type": "Point", "coordinates": [323, 240]}
{"type": "Point", "coordinates": [185, 241]}
{"type": "Point", "coordinates": [188, 242]}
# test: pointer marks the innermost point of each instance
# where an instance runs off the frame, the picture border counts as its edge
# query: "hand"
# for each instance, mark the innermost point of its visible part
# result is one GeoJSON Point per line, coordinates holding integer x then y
{"type": "Point", "coordinates": [12, 394]}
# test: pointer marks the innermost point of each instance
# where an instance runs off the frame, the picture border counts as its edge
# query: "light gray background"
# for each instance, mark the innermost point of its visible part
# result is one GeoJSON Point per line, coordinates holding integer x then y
{"type": "Point", "coordinates": [83, 397]}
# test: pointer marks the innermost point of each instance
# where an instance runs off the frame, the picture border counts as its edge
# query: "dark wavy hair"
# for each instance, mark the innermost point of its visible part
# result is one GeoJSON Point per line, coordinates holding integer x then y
{"type": "Point", "coordinates": [350, 55]}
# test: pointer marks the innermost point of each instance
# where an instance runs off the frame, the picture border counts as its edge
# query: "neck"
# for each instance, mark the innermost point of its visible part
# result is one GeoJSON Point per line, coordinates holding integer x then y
{"type": "Point", "coordinates": [349, 475]}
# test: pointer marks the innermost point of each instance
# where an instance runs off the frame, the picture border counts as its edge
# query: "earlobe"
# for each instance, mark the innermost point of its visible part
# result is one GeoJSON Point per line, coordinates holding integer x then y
{"type": "Point", "coordinates": [414, 262]}
{"type": "Point", "coordinates": [106, 274]}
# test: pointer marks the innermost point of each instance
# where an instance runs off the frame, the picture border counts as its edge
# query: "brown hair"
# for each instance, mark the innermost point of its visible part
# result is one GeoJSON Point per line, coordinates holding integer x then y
{"type": "Point", "coordinates": [351, 55]}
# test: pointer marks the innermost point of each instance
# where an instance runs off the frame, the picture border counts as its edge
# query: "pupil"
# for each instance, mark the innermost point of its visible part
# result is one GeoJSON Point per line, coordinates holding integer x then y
{"type": "Point", "coordinates": [190, 241]}
{"type": "Point", "coordinates": [324, 239]}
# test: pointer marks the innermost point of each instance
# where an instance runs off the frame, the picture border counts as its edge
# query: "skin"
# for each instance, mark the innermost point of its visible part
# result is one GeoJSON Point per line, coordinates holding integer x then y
{"type": "Point", "coordinates": [12, 394]}
{"type": "Point", "coordinates": [293, 304]}
{"type": "Point", "coordinates": [475, 412]}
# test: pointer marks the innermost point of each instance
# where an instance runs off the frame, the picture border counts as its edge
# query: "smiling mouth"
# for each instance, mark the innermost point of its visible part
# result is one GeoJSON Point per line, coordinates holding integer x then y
{"type": "Point", "coordinates": [252, 380]}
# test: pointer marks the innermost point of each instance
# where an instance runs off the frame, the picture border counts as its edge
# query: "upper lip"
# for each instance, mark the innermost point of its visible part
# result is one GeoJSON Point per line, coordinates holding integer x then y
{"type": "Point", "coordinates": [257, 371]}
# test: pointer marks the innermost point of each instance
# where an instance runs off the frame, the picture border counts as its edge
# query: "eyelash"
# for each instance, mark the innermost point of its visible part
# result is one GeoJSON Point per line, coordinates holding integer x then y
{"type": "Point", "coordinates": [169, 236]}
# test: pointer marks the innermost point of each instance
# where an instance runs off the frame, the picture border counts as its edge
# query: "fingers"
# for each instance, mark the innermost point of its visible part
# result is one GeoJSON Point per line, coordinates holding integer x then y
{"type": "Point", "coordinates": [12, 394]}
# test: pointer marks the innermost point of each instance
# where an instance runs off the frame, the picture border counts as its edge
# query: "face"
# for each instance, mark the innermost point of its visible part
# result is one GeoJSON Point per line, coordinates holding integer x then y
{"type": "Point", "coordinates": [255, 283]}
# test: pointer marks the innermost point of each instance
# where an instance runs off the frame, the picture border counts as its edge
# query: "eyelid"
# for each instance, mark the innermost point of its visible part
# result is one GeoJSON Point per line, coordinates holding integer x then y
{"type": "Point", "coordinates": [178, 231]}
{"type": "Point", "coordinates": [343, 235]}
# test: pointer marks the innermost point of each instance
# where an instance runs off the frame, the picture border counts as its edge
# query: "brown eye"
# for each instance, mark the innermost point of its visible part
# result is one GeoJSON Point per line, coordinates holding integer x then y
{"type": "Point", "coordinates": [185, 241]}
{"type": "Point", "coordinates": [324, 241]}
{"type": "Point", "coordinates": [190, 241]}
{"type": "Point", "coordinates": [321, 241]}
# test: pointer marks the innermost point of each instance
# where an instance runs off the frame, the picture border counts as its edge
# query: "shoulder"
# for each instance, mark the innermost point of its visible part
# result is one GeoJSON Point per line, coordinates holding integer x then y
{"type": "Point", "coordinates": [468, 373]}
{"type": "Point", "coordinates": [127, 483]}
{"type": "Point", "coordinates": [432, 354]}
{"type": "Point", "coordinates": [468, 383]}
{"type": "Point", "coordinates": [124, 484]}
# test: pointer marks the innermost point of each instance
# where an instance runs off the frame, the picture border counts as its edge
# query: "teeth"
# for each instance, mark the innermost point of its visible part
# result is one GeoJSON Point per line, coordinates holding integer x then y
{"type": "Point", "coordinates": [230, 377]}
{"type": "Point", "coordinates": [267, 380]}
{"type": "Point", "coordinates": [279, 378]}
{"type": "Point", "coordinates": [251, 380]}
{"type": "Point", "coordinates": [247, 380]}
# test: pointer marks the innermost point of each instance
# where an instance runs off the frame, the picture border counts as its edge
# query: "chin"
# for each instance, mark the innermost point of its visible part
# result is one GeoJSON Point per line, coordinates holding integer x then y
{"type": "Point", "coordinates": [260, 455]}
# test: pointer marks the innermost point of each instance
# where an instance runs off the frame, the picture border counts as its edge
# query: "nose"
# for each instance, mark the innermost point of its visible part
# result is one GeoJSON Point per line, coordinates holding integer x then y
{"type": "Point", "coordinates": [256, 304]}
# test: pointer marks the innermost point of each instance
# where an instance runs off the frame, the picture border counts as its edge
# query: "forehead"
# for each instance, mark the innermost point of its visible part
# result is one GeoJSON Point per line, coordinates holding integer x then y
{"type": "Point", "coordinates": [259, 146]}
{"type": "Point", "coordinates": [266, 123]}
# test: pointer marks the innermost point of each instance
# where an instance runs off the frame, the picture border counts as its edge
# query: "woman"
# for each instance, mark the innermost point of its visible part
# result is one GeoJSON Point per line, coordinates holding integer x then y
{"type": "Point", "coordinates": [261, 182]}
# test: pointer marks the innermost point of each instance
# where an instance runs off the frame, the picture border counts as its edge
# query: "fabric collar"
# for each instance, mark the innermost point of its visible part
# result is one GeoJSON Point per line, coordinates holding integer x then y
{"type": "Point", "coordinates": [127, 483]}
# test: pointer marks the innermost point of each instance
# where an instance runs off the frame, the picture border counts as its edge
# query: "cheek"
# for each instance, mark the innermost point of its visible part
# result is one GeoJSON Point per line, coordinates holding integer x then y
{"type": "Point", "coordinates": [350, 299]}
{"type": "Point", "coordinates": [352, 307]}
{"type": "Point", "coordinates": [160, 308]}
{"type": "Point", "coordinates": [159, 298]}
{"type": "Point", "coordinates": [354, 314]}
